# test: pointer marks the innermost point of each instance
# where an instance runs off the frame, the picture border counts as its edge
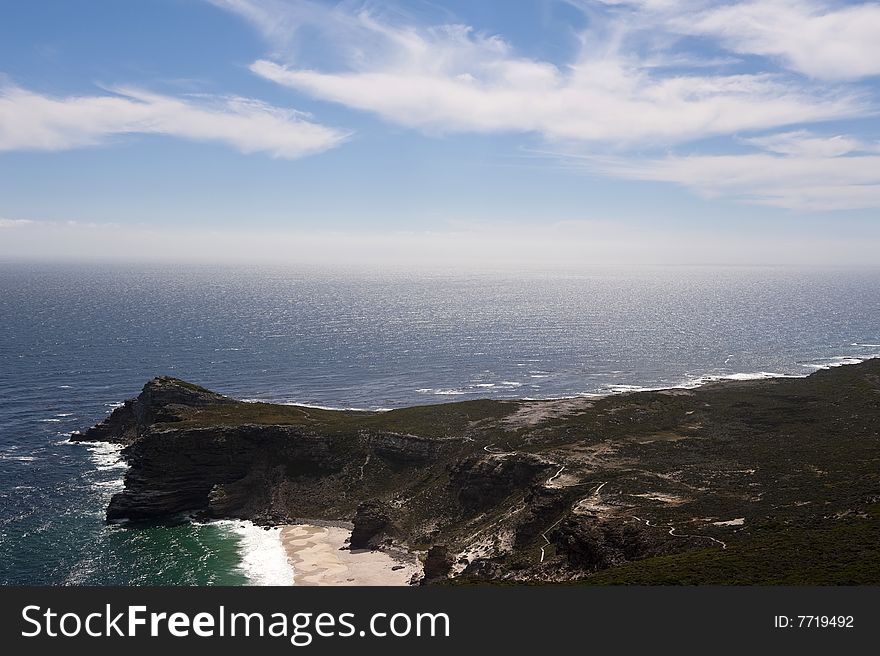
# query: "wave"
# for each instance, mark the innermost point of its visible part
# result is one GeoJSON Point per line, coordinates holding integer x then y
{"type": "Point", "coordinates": [113, 484]}
{"type": "Point", "coordinates": [336, 408]}
{"type": "Point", "coordinates": [757, 375]}
{"type": "Point", "coordinates": [836, 361]}
{"type": "Point", "coordinates": [106, 456]}
{"type": "Point", "coordinates": [692, 382]}
{"type": "Point", "coordinates": [697, 381]}
{"type": "Point", "coordinates": [263, 557]}
{"type": "Point", "coordinates": [629, 388]}
{"type": "Point", "coordinates": [441, 392]}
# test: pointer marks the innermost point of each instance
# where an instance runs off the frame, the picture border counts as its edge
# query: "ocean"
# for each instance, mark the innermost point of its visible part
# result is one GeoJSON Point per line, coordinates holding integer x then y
{"type": "Point", "coordinates": [79, 339]}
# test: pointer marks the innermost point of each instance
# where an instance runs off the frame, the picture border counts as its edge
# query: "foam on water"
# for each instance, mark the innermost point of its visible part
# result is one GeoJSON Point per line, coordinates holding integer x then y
{"type": "Point", "coordinates": [694, 382]}
{"type": "Point", "coordinates": [263, 558]}
{"type": "Point", "coordinates": [315, 406]}
{"type": "Point", "coordinates": [106, 456]}
{"type": "Point", "coordinates": [837, 361]}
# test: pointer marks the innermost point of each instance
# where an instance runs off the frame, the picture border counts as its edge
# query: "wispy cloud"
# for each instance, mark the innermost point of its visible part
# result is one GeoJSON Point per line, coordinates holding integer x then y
{"type": "Point", "coordinates": [826, 40]}
{"type": "Point", "coordinates": [14, 223]}
{"type": "Point", "coordinates": [32, 121]}
{"type": "Point", "coordinates": [822, 39]}
{"type": "Point", "coordinates": [634, 85]}
{"type": "Point", "coordinates": [794, 170]}
{"type": "Point", "coordinates": [802, 143]}
{"type": "Point", "coordinates": [606, 102]}
{"type": "Point", "coordinates": [452, 78]}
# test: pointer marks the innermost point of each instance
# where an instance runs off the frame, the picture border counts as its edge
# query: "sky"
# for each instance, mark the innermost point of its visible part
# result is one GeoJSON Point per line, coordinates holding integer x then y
{"type": "Point", "coordinates": [450, 132]}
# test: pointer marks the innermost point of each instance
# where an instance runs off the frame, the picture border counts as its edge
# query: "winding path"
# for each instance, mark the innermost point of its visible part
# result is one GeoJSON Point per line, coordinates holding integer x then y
{"type": "Point", "coordinates": [546, 540]}
{"type": "Point", "coordinates": [672, 529]}
{"type": "Point", "coordinates": [366, 462]}
{"type": "Point", "coordinates": [547, 543]}
{"type": "Point", "coordinates": [555, 476]}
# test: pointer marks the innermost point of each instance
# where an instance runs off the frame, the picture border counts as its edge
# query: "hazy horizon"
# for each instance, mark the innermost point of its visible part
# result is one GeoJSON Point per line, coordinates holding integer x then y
{"type": "Point", "coordinates": [566, 245]}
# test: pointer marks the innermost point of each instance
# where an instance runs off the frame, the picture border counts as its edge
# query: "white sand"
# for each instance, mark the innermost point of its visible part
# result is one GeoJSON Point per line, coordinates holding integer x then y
{"type": "Point", "coordinates": [317, 559]}
{"type": "Point", "coordinates": [739, 521]}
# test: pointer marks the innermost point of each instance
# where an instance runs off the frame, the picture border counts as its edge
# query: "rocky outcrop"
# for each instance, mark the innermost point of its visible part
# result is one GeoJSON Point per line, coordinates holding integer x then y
{"type": "Point", "coordinates": [405, 449]}
{"type": "Point", "coordinates": [373, 525]}
{"type": "Point", "coordinates": [219, 472]}
{"type": "Point", "coordinates": [438, 563]}
{"type": "Point", "coordinates": [589, 543]}
{"type": "Point", "coordinates": [484, 569]}
{"type": "Point", "coordinates": [159, 402]}
{"type": "Point", "coordinates": [542, 507]}
{"type": "Point", "coordinates": [584, 486]}
{"type": "Point", "coordinates": [483, 480]}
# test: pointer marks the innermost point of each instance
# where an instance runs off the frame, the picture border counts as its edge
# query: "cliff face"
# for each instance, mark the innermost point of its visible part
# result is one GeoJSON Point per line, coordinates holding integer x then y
{"type": "Point", "coordinates": [517, 490]}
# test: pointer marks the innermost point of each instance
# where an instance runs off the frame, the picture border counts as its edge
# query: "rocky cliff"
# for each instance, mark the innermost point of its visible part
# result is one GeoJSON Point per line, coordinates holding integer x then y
{"type": "Point", "coordinates": [527, 491]}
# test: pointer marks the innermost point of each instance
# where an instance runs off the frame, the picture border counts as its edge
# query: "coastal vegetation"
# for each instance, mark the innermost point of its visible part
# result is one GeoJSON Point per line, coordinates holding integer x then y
{"type": "Point", "coordinates": [773, 481]}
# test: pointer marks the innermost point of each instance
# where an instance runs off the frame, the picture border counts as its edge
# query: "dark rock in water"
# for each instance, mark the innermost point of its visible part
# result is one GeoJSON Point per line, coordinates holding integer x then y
{"type": "Point", "coordinates": [534, 490]}
{"type": "Point", "coordinates": [373, 525]}
{"type": "Point", "coordinates": [438, 563]}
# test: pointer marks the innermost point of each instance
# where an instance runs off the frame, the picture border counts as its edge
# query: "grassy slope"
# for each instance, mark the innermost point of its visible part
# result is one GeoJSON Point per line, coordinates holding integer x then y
{"type": "Point", "coordinates": [442, 420]}
{"type": "Point", "coordinates": [804, 440]}
{"type": "Point", "coordinates": [834, 552]}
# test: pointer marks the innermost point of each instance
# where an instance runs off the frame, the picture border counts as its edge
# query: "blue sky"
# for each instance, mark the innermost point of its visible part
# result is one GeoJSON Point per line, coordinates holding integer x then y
{"type": "Point", "coordinates": [577, 131]}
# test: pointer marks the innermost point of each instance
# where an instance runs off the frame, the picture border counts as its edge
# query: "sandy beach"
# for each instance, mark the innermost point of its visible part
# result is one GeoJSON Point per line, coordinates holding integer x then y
{"type": "Point", "coordinates": [318, 558]}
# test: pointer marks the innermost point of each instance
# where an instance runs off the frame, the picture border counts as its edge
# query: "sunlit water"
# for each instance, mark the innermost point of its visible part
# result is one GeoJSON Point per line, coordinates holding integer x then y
{"type": "Point", "coordinates": [78, 339]}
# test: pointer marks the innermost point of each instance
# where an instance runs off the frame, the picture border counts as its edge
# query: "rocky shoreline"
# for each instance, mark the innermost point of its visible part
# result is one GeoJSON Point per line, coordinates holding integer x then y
{"type": "Point", "coordinates": [525, 491]}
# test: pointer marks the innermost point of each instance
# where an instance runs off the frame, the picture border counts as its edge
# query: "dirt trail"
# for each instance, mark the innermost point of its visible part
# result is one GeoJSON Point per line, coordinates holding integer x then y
{"type": "Point", "coordinates": [672, 529]}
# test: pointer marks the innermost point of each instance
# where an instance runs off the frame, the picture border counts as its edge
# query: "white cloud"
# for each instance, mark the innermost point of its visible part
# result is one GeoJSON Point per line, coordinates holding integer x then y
{"type": "Point", "coordinates": [451, 78]}
{"type": "Point", "coordinates": [818, 38]}
{"type": "Point", "coordinates": [14, 223]}
{"type": "Point", "coordinates": [603, 101]}
{"type": "Point", "coordinates": [31, 121]}
{"type": "Point", "coordinates": [633, 84]}
{"type": "Point", "coordinates": [832, 41]}
{"type": "Point", "coordinates": [802, 143]}
{"type": "Point", "coordinates": [797, 171]}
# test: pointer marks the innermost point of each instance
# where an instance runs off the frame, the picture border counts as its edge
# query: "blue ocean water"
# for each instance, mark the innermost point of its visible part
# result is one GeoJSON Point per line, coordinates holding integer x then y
{"type": "Point", "coordinates": [77, 339]}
